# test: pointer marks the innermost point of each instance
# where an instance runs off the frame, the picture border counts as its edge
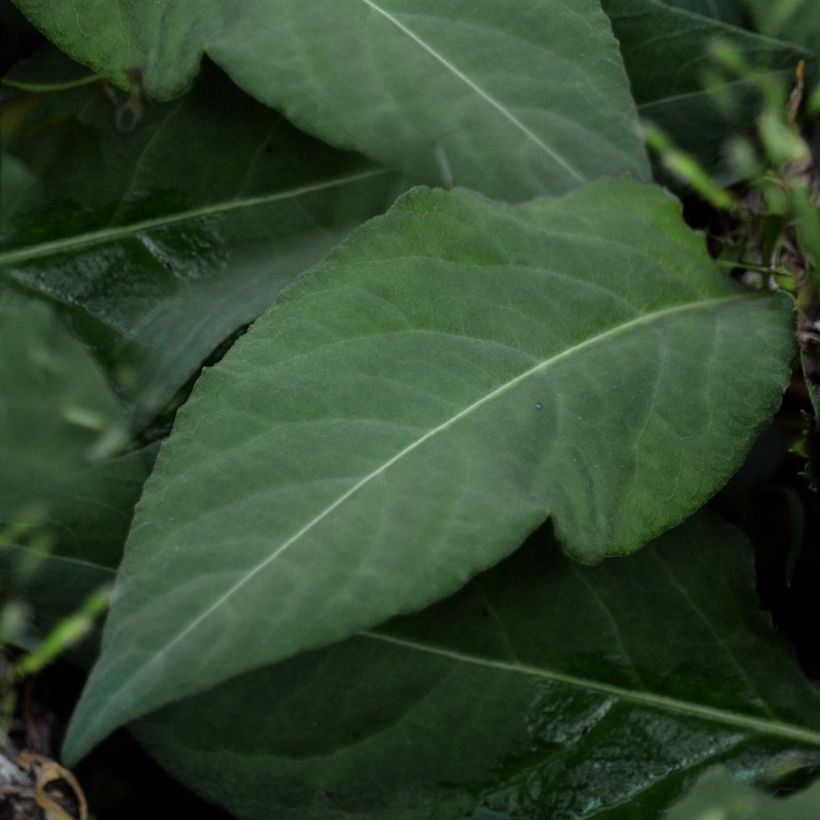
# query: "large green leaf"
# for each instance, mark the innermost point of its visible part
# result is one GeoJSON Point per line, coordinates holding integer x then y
{"type": "Point", "coordinates": [414, 407]}
{"type": "Point", "coordinates": [667, 53]}
{"type": "Point", "coordinates": [54, 408]}
{"type": "Point", "coordinates": [544, 690]}
{"type": "Point", "coordinates": [166, 240]}
{"type": "Point", "coordinates": [512, 101]}
{"type": "Point", "coordinates": [718, 796]}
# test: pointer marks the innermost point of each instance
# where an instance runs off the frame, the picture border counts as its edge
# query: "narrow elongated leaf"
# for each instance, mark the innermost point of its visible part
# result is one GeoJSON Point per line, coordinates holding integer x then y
{"type": "Point", "coordinates": [544, 690]}
{"type": "Point", "coordinates": [414, 407]}
{"type": "Point", "coordinates": [193, 224]}
{"type": "Point", "coordinates": [509, 100]}
{"type": "Point", "coordinates": [667, 53]}
{"type": "Point", "coordinates": [718, 795]}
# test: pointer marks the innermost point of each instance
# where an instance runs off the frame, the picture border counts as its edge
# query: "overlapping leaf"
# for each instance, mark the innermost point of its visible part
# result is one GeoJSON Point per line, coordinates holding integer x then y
{"type": "Point", "coordinates": [667, 50]}
{"type": "Point", "coordinates": [415, 406]}
{"type": "Point", "coordinates": [510, 104]}
{"type": "Point", "coordinates": [162, 242]}
{"type": "Point", "coordinates": [544, 689]}
{"type": "Point", "coordinates": [55, 409]}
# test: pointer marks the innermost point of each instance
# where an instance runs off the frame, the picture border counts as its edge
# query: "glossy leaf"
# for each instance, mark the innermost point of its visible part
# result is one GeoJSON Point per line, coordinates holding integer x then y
{"type": "Point", "coordinates": [718, 796]}
{"type": "Point", "coordinates": [511, 101]}
{"type": "Point", "coordinates": [55, 411]}
{"type": "Point", "coordinates": [544, 690]}
{"type": "Point", "coordinates": [667, 52]}
{"type": "Point", "coordinates": [164, 241]}
{"type": "Point", "coordinates": [414, 407]}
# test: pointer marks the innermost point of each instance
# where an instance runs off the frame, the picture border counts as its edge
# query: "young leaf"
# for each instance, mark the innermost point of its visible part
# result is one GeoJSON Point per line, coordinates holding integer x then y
{"type": "Point", "coordinates": [415, 406]}
{"type": "Point", "coordinates": [192, 225]}
{"type": "Point", "coordinates": [729, 11]}
{"type": "Point", "coordinates": [511, 101]}
{"type": "Point", "coordinates": [543, 690]}
{"type": "Point", "coordinates": [55, 411]}
{"type": "Point", "coordinates": [667, 53]}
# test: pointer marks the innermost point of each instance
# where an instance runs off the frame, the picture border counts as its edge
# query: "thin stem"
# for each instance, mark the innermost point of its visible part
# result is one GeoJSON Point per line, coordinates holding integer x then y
{"type": "Point", "coordinates": [47, 88]}
{"type": "Point", "coordinates": [728, 263]}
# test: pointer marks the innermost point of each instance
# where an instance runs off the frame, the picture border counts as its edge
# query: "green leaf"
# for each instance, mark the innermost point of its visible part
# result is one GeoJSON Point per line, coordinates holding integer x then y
{"type": "Point", "coordinates": [55, 409]}
{"type": "Point", "coordinates": [511, 101]}
{"type": "Point", "coordinates": [667, 53]}
{"type": "Point", "coordinates": [543, 690]}
{"type": "Point", "coordinates": [409, 411]}
{"type": "Point", "coordinates": [812, 385]}
{"type": "Point", "coordinates": [795, 20]}
{"type": "Point", "coordinates": [729, 11]}
{"type": "Point", "coordinates": [718, 796]}
{"type": "Point", "coordinates": [192, 225]}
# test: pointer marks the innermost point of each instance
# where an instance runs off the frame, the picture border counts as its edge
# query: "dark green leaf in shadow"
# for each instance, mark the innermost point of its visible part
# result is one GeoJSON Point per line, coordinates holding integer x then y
{"type": "Point", "coordinates": [64, 509]}
{"type": "Point", "coordinates": [165, 241]}
{"type": "Point", "coordinates": [544, 690]}
{"type": "Point", "coordinates": [667, 53]}
{"type": "Point", "coordinates": [797, 21]}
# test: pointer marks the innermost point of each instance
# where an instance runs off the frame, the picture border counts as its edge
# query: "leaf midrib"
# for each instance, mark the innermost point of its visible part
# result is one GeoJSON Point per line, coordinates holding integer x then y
{"type": "Point", "coordinates": [472, 84]}
{"type": "Point", "coordinates": [610, 333]}
{"type": "Point", "coordinates": [665, 703]}
{"type": "Point", "coordinates": [215, 209]}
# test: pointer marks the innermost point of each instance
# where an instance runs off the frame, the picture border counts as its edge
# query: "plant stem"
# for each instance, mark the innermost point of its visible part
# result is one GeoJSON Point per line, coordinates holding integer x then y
{"type": "Point", "coordinates": [728, 263]}
{"type": "Point", "coordinates": [47, 88]}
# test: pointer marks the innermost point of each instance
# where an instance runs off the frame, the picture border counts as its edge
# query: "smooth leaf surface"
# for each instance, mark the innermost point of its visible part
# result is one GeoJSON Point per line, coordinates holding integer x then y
{"type": "Point", "coordinates": [164, 241]}
{"type": "Point", "coordinates": [511, 101]}
{"type": "Point", "coordinates": [667, 52]}
{"type": "Point", "coordinates": [544, 690]}
{"type": "Point", "coordinates": [718, 796]}
{"type": "Point", "coordinates": [55, 408]}
{"type": "Point", "coordinates": [410, 410]}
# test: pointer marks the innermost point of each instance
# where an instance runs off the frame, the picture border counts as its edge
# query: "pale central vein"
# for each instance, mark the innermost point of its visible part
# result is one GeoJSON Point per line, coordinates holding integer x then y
{"type": "Point", "coordinates": [641, 697]}
{"type": "Point", "coordinates": [505, 112]}
{"type": "Point", "coordinates": [215, 209]}
{"type": "Point", "coordinates": [382, 468]}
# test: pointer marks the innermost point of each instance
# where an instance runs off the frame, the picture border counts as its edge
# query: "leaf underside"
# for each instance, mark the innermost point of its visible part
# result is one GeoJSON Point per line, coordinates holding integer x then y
{"type": "Point", "coordinates": [194, 223]}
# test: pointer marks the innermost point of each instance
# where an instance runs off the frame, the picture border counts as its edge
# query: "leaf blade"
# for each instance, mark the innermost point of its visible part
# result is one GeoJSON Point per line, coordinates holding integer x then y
{"type": "Point", "coordinates": [406, 83]}
{"type": "Point", "coordinates": [510, 698]}
{"type": "Point", "coordinates": [416, 441]}
{"type": "Point", "coordinates": [198, 220]}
